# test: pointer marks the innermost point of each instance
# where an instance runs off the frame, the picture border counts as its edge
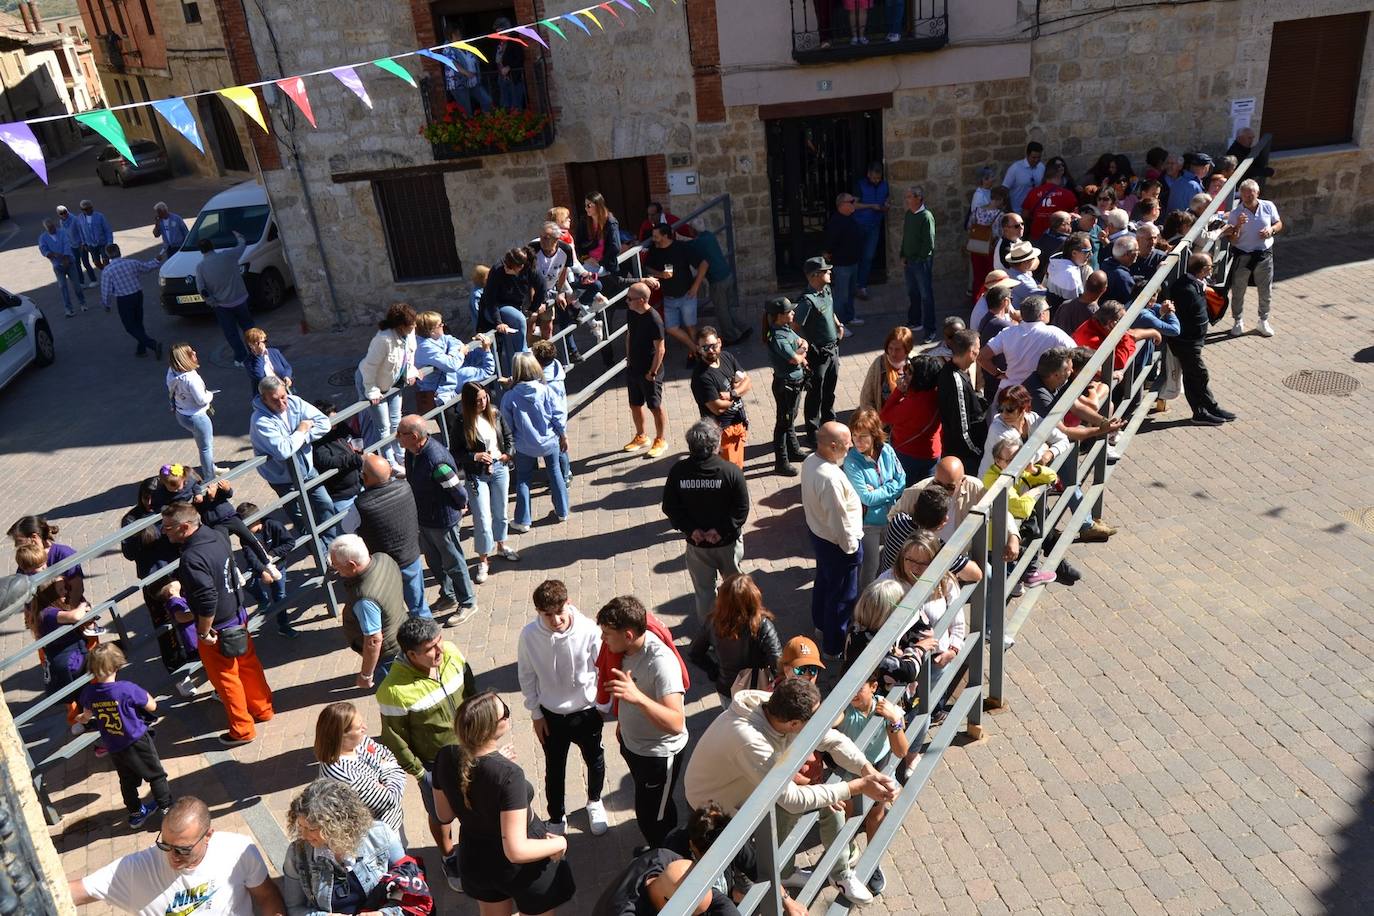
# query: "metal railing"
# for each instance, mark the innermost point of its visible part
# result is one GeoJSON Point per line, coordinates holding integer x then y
{"type": "Point", "coordinates": [822, 31]}
{"type": "Point", "coordinates": [536, 112]}
{"type": "Point", "coordinates": [992, 624]}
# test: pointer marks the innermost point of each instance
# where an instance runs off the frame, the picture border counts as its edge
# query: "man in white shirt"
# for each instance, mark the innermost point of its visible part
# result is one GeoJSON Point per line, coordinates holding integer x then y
{"type": "Point", "coordinates": [1252, 227]}
{"type": "Point", "coordinates": [193, 869]}
{"type": "Point", "coordinates": [1025, 174]}
{"type": "Point", "coordinates": [556, 661]}
{"type": "Point", "coordinates": [834, 519]}
{"type": "Point", "coordinates": [1021, 344]}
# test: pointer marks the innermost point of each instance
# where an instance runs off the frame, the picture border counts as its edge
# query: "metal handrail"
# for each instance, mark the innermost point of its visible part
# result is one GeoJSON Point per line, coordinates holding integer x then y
{"type": "Point", "coordinates": [755, 818]}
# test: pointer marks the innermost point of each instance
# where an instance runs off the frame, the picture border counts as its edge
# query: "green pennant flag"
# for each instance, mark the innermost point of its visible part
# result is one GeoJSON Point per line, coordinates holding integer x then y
{"type": "Point", "coordinates": [645, 3]}
{"type": "Point", "coordinates": [549, 24]}
{"type": "Point", "coordinates": [390, 66]}
{"type": "Point", "coordinates": [104, 122]}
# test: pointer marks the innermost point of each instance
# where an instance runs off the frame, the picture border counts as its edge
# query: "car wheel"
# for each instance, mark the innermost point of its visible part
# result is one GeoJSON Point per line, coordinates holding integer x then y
{"type": "Point", "coordinates": [45, 352]}
{"type": "Point", "coordinates": [271, 289]}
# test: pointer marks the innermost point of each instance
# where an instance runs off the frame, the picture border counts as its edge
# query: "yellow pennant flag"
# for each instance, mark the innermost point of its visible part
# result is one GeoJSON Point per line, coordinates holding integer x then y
{"type": "Point", "coordinates": [471, 49]}
{"type": "Point", "coordinates": [247, 100]}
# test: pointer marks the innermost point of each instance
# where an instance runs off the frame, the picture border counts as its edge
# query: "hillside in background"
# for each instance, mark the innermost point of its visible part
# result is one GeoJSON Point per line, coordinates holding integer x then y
{"type": "Point", "coordinates": [48, 9]}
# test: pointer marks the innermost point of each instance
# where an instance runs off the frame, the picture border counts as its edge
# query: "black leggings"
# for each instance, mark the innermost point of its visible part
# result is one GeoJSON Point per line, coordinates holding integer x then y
{"type": "Point", "coordinates": [139, 763]}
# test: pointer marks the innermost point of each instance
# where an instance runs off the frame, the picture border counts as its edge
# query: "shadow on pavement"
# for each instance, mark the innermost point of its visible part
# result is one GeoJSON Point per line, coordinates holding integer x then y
{"type": "Point", "coordinates": [1351, 891]}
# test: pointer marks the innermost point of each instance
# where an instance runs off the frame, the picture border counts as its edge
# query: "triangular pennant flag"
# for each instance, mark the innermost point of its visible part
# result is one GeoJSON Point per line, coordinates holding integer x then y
{"type": "Point", "coordinates": [349, 77]}
{"type": "Point", "coordinates": [625, 3]}
{"type": "Point", "coordinates": [294, 87]}
{"type": "Point", "coordinates": [247, 100]}
{"type": "Point", "coordinates": [526, 30]}
{"type": "Point", "coordinates": [553, 27]}
{"type": "Point", "coordinates": [592, 16]}
{"type": "Point", "coordinates": [471, 49]}
{"type": "Point", "coordinates": [610, 9]}
{"type": "Point", "coordinates": [645, 3]}
{"type": "Point", "coordinates": [390, 66]}
{"type": "Point", "coordinates": [577, 22]}
{"type": "Point", "coordinates": [439, 57]}
{"type": "Point", "coordinates": [104, 122]}
{"type": "Point", "coordinates": [500, 37]}
{"type": "Point", "coordinates": [19, 137]}
{"type": "Point", "coordinates": [175, 113]}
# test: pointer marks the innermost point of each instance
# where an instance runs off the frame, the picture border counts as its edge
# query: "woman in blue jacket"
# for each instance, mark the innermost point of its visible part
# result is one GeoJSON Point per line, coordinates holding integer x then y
{"type": "Point", "coordinates": [264, 361]}
{"type": "Point", "coordinates": [872, 467]}
{"type": "Point", "coordinates": [452, 364]}
{"type": "Point", "coordinates": [531, 411]}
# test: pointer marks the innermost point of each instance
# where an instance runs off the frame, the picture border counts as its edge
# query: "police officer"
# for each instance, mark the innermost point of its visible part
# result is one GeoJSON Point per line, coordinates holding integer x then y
{"type": "Point", "coordinates": [822, 331]}
{"type": "Point", "coordinates": [787, 351]}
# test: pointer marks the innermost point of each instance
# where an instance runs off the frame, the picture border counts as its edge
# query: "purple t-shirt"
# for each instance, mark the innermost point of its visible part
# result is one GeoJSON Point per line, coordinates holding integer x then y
{"type": "Point", "coordinates": [115, 706]}
{"type": "Point", "coordinates": [59, 552]}
{"type": "Point", "coordinates": [48, 623]}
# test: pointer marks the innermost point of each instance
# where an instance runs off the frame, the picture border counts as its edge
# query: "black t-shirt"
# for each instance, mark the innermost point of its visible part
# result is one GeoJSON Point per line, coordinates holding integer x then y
{"type": "Point", "coordinates": [683, 259]}
{"type": "Point", "coordinates": [642, 334]}
{"type": "Point", "coordinates": [1042, 398]}
{"type": "Point", "coordinates": [844, 239]}
{"type": "Point", "coordinates": [497, 784]}
{"type": "Point", "coordinates": [709, 381]}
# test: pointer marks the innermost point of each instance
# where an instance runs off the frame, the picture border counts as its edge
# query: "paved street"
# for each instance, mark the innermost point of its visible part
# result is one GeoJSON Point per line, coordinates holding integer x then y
{"type": "Point", "coordinates": [1189, 728]}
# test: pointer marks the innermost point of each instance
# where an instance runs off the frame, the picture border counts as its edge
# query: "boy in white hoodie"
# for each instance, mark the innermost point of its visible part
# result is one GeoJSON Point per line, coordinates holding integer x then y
{"type": "Point", "coordinates": [557, 666]}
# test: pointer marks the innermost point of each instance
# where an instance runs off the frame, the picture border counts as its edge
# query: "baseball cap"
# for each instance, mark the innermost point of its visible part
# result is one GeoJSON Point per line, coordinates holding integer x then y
{"type": "Point", "coordinates": [816, 265]}
{"type": "Point", "coordinates": [801, 650]}
{"type": "Point", "coordinates": [1192, 159]}
{"type": "Point", "coordinates": [780, 305]}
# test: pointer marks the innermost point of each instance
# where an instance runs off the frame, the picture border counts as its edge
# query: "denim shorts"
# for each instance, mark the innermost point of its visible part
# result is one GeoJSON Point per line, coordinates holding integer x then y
{"type": "Point", "coordinates": [680, 311]}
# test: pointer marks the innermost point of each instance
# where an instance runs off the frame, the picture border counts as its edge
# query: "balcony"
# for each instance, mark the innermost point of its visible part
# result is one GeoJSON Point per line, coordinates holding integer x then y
{"type": "Point", "coordinates": [457, 133]}
{"type": "Point", "coordinates": [821, 38]}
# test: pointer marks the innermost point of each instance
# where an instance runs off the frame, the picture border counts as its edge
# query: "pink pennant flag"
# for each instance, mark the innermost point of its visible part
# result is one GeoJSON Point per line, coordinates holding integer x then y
{"type": "Point", "coordinates": [610, 9]}
{"type": "Point", "coordinates": [295, 88]}
{"type": "Point", "coordinates": [19, 137]}
{"type": "Point", "coordinates": [349, 77]}
{"type": "Point", "coordinates": [526, 30]}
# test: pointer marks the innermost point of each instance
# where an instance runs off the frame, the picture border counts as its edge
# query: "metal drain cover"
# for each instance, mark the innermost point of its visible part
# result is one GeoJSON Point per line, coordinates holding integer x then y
{"type": "Point", "coordinates": [1323, 381]}
{"type": "Point", "coordinates": [341, 379]}
{"type": "Point", "coordinates": [1362, 517]}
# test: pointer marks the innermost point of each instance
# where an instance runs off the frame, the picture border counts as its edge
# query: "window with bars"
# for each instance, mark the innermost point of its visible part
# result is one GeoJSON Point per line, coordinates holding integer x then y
{"type": "Point", "coordinates": [418, 226]}
{"type": "Point", "coordinates": [1314, 80]}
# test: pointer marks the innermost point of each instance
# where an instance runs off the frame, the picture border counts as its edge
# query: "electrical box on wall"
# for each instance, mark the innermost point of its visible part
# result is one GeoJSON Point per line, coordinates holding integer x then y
{"type": "Point", "coordinates": [679, 160]}
{"type": "Point", "coordinates": [682, 183]}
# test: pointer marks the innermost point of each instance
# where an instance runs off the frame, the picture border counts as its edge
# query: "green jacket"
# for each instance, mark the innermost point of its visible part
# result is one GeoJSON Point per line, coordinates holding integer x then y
{"type": "Point", "coordinates": [417, 710]}
{"type": "Point", "coordinates": [918, 235]}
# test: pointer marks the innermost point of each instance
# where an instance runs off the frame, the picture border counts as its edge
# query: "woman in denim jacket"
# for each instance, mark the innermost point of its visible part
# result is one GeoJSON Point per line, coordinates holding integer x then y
{"type": "Point", "coordinates": [339, 854]}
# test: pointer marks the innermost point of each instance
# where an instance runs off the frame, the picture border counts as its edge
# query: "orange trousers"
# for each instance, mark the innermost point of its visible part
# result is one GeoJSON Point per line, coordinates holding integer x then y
{"type": "Point", "coordinates": [732, 440]}
{"type": "Point", "coordinates": [242, 688]}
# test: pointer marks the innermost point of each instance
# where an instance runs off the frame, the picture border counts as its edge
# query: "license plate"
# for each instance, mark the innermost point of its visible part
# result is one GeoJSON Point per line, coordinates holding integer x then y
{"type": "Point", "coordinates": [187, 300]}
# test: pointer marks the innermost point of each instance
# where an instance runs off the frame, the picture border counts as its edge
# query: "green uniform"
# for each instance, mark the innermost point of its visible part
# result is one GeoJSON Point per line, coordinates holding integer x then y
{"type": "Point", "coordinates": [816, 318]}
{"type": "Point", "coordinates": [783, 343]}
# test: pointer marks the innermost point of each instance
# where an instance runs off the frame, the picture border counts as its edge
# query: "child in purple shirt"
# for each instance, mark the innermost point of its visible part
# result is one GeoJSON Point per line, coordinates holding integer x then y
{"type": "Point", "coordinates": [118, 708]}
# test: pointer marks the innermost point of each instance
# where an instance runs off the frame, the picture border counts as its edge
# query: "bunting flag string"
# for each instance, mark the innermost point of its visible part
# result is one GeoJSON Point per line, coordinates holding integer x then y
{"type": "Point", "coordinates": [19, 137]}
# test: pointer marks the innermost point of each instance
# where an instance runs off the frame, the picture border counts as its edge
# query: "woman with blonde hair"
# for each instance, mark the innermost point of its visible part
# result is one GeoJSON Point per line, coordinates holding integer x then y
{"type": "Point", "coordinates": [538, 430]}
{"type": "Point", "coordinates": [508, 854]}
{"type": "Point", "coordinates": [451, 363]}
{"type": "Point", "coordinates": [887, 367]}
{"type": "Point", "coordinates": [916, 556]}
{"type": "Point", "coordinates": [191, 403]}
{"type": "Point", "coordinates": [740, 632]}
{"type": "Point", "coordinates": [346, 754]}
{"type": "Point", "coordinates": [389, 363]}
{"type": "Point", "coordinates": [339, 854]}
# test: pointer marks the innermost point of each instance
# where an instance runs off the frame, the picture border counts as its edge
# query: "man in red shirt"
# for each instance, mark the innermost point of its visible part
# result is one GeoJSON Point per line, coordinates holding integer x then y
{"type": "Point", "coordinates": [655, 214]}
{"type": "Point", "coordinates": [1044, 200]}
{"type": "Point", "coordinates": [1092, 332]}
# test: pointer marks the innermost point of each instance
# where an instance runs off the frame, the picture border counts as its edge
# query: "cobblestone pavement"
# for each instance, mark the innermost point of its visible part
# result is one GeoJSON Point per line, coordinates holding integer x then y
{"type": "Point", "coordinates": [1189, 727]}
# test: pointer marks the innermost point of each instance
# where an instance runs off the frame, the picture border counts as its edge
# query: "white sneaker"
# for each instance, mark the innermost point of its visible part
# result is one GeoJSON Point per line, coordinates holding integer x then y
{"type": "Point", "coordinates": [1113, 453]}
{"type": "Point", "coordinates": [596, 815]}
{"type": "Point", "coordinates": [853, 889]}
{"type": "Point", "coordinates": [481, 575]}
{"type": "Point", "coordinates": [1238, 328]}
{"type": "Point", "coordinates": [186, 687]}
{"type": "Point", "coordinates": [1264, 328]}
{"type": "Point", "coordinates": [559, 828]}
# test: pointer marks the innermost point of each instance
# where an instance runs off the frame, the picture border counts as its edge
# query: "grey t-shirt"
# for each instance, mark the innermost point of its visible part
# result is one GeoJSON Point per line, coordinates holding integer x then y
{"type": "Point", "coordinates": [657, 673]}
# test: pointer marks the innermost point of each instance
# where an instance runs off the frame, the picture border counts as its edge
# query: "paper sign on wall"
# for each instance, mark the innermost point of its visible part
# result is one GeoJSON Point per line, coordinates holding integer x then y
{"type": "Point", "coordinates": [1242, 110]}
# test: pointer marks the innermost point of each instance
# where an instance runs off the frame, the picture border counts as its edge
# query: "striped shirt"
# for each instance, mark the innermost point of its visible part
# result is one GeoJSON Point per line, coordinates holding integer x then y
{"type": "Point", "coordinates": [123, 277]}
{"type": "Point", "coordinates": [372, 772]}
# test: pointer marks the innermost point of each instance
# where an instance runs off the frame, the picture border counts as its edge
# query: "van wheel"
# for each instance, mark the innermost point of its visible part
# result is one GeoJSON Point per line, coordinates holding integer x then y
{"type": "Point", "coordinates": [271, 289]}
{"type": "Point", "coordinates": [42, 339]}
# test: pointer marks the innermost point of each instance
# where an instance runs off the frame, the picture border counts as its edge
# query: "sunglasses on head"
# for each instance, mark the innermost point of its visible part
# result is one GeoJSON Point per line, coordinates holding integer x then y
{"type": "Point", "coordinates": [806, 671]}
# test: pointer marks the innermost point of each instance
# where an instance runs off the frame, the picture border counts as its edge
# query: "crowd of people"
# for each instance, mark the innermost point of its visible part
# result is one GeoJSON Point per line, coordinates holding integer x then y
{"type": "Point", "coordinates": [881, 491]}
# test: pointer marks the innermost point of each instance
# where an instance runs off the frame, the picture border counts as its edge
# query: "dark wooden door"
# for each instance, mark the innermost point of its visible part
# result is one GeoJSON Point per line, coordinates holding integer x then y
{"type": "Point", "coordinates": [810, 161]}
{"type": "Point", "coordinates": [623, 182]}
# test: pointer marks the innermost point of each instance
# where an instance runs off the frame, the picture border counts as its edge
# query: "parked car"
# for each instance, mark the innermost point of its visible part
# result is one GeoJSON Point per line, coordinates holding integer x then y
{"type": "Point", "coordinates": [25, 336]}
{"type": "Point", "coordinates": [246, 210]}
{"type": "Point", "coordinates": [149, 162]}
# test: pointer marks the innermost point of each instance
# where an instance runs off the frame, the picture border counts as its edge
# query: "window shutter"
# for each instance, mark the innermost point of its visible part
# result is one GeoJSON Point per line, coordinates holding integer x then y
{"type": "Point", "coordinates": [1314, 79]}
{"type": "Point", "coordinates": [418, 226]}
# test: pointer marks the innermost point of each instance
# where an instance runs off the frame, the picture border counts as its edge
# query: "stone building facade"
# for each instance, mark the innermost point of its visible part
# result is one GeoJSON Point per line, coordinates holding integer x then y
{"type": "Point", "coordinates": [729, 93]}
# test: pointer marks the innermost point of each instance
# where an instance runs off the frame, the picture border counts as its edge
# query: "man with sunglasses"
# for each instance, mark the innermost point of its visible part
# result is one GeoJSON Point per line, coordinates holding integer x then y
{"type": "Point", "coordinates": [192, 869]}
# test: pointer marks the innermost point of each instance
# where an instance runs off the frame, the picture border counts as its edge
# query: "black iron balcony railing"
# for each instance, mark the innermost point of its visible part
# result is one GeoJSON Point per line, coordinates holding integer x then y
{"type": "Point", "coordinates": [823, 30]}
{"type": "Point", "coordinates": [495, 116]}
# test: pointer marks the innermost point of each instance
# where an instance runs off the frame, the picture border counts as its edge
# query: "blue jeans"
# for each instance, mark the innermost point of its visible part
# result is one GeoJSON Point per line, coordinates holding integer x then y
{"type": "Point", "coordinates": [320, 504]}
{"type": "Point", "coordinates": [869, 253]}
{"type": "Point", "coordinates": [203, 431]}
{"type": "Point", "coordinates": [488, 495]}
{"type": "Point", "coordinates": [894, 14]}
{"type": "Point", "coordinates": [834, 592]}
{"type": "Point", "coordinates": [525, 466]}
{"type": "Point", "coordinates": [843, 285]}
{"type": "Point", "coordinates": [131, 316]}
{"type": "Point", "coordinates": [413, 587]}
{"type": "Point", "coordinates": [512, 90]}
{"type": "Point", "coordinates": [261, 594]}
{"type": "Point", "coordinates": [466, 95]}
{"type": "Point", "coordinates": [89, 254]}
{"type": "Point", "coordinates": [444, 556]}
{"type": "Point", "coordinates": [507, 345]}
{"type": "Point", "coordinates": [232, 320]}
{"type": "Point", "coordinates": [71, 272]}
{"type": "Point", "coordinates": [381, 420]}
{"type": "Point", "coordinates": [920, 295]}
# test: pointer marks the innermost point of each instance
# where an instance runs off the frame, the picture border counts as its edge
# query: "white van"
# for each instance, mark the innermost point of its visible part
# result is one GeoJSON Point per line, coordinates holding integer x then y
{"type": "Point", "coordinates": [245, 209]}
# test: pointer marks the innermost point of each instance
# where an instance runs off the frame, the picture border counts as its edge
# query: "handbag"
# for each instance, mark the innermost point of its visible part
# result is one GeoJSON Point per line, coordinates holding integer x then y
{"type": "Point", "coordinates": [233, 639]}
{"type": "Point", "coordinates": [756, 676]}
{"type": "Point", "coordinates": [979, 239]}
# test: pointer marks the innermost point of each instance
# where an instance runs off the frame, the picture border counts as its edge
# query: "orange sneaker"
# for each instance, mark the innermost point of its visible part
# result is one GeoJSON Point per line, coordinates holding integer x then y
{"type": "Point", "coordinates": [658, 448]}
{"type": "Point", "coordinates": [638, 442]}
